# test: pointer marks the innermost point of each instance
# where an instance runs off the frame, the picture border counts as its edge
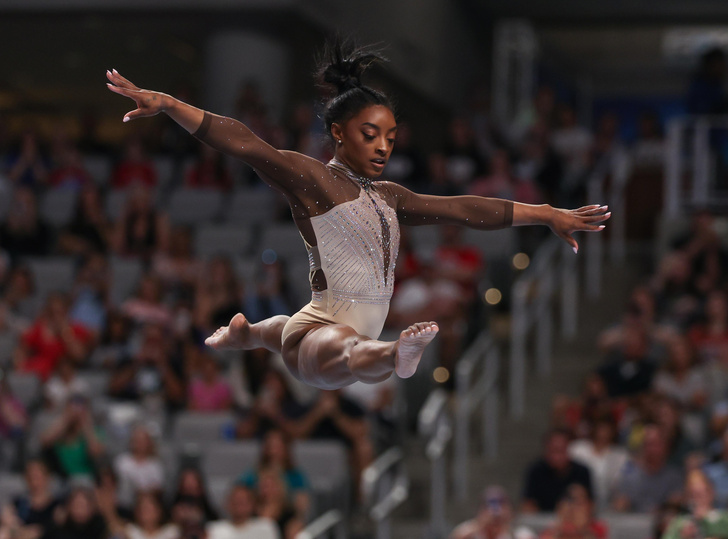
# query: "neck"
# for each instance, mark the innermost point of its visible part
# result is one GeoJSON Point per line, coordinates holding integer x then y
{"type": "Point", "coordinates": [337, 164]}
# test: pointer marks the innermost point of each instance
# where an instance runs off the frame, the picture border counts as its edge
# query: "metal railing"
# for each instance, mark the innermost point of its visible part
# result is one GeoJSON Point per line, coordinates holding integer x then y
{"type": "Point", "coordinates": [435, 424]}
{"type": "Point", "coordinates": [330, 522]}
{"type": "Point", "coordinates": [385, 486]}
{"type": "Point", "coordinates": [476, 378]}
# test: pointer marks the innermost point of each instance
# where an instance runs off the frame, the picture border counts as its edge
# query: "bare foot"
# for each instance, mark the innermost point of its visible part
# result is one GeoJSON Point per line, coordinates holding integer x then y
{"type": "Point", "coordinates": [411, 344]}
{"type": "Point", "coordinates": [232, 337]}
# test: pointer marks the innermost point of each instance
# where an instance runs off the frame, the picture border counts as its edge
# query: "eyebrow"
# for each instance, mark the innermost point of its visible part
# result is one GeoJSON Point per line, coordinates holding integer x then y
{"type": "Point", "coordinates": [375, 126]}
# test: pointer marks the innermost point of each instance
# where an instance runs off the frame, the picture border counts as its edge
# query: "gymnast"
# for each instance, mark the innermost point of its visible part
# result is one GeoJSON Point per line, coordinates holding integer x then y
{"type": "Point", "coordinates": [349, 221]}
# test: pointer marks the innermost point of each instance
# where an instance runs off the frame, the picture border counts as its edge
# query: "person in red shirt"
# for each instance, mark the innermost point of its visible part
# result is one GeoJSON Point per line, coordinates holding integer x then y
{"type": "Point", "coordinates": [51, 337]}
{"type": "Point", "coordinates": [575, 517]}
{"type": "Point", "coordinates": [209, 171]}
{"type": "Point", "coordinates": [135, 168]}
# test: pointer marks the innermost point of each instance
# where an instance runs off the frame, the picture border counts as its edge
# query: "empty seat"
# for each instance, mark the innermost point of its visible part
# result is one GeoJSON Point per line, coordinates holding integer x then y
{"type": "Point", "coordinates": [629, 526]}
{"type": "Point", "coordinates": [98, 167]}
{"type": "Point", "coordinates": [217, 489]}
{"type": "Point", "coordinates": [250, 206]}
{"type": "Point", "coordinates": [227, 240]}
{"type": "Point", "coordinates": [245, 269]}
{"type": "Point", "coordinates": [8, 342]}
{"type": "Point", "coordinates": [200, 428]}
{"type": "Point", "coordinates": [326, 465]}
{"type": "Point", "coordinates": [40, 423]}
{"type": "Point", "coordinates": [164, 165]}
{"type": "Point", "coordinates": [425, 240]}
{"type": "Point", "coordinates": [115, 202]}
{"type": "Point", "coordinates": [285, 240]}
{"type": "Point", "coordinates": [230, 459]}
{"type": "Point", "coordinates": [97, 382]}
{"type": "Point", "coordinates": [194, 206]}
{"type": "Point", "coordinates": [493, 243]}
{"type": "Point", "coordinates": [25, 386]}
{"type": "Point", "coordinates": [52, 274]}
{"type": "Point", "coordinates": [57, 206]}
{"type": "Point", "coordinates": [125, 274]}
{"type": "Point", "coordinates": [11, 485]}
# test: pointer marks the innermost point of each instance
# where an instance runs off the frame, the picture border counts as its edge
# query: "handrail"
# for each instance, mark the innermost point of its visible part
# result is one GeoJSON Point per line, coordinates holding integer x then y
{"type": "Point", "coordinates": [376, 482]}
{"type": "Point", "coordinates": [483, 354]}
{"type": "Point", "coordinates": [332, 520]}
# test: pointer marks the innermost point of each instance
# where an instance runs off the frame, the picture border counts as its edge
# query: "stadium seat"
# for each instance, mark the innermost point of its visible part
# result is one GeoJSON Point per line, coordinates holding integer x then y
{"type": "Point", "coordinates": [115, 202]}
{"type": "Point", "coordinates": [40, 423]}
{"type": "Point", "coordinates": [52, 274]}
{"type": "Point", "coordinates": [8, 342]}
{"type": "Point", "coordinates": [58, 205]}
{"type": "Point", "coordinates": [245, 269]}
{"type": "Point", "coordinates": [326, 464]}
{"type": "Point", "coordinates": [425, 240]}
{"type": "Point", "coordinates": [164, 165]}
{"type": "Point", "coordinates": [125, 274]}
{"type": "Point", "coordinates": [194, 206]}
{"type": "Point", "coordinates": [97, 382]}
{"type": "Point", "coordinates": [217, 490]}
{"type": "Point", "coordinates": [211, 240]}
{"type": "Point", "coordinates": [629, 526]}
{"type": "Point", "coordinates": [250, 206]}
{"type": "Point", "coordinates": [285, 240]}
{"type": "Point", "coordinates": [493, 244]}
{"type": "Point", "coordinates": [11, 485]}
{"type": "Point", "coordinates": [201, 428]}
{"type": "Point", "coordinates": [99, 167]}
{"type": "Point", "coordinates": [26, 387]}
{"type": "Point", "coordinates": [230, 459]}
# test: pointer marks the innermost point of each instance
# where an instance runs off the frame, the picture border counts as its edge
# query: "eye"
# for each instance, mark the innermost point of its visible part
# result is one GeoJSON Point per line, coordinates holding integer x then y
{"type": "Point", "coordinates": [390, 140]}
{"type": "Point", "coordinates": [368, 136]}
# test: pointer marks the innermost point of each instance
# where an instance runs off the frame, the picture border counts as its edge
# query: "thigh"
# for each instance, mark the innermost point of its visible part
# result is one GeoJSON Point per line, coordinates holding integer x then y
{"type": "Point", "coordinates": [318, 354]}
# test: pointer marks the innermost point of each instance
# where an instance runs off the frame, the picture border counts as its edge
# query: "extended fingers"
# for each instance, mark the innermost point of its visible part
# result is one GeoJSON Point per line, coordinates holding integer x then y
{"type": "Point", "coordinates": [591, 219]}
{"type": "Point", "coordinates": [591, 210]}
{"type": "Point", "coordinates": [118, 80]}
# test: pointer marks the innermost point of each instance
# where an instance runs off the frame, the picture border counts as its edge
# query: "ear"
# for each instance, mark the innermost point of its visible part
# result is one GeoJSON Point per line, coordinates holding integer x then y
{"type": "Point", "coordinates": [336, 131]}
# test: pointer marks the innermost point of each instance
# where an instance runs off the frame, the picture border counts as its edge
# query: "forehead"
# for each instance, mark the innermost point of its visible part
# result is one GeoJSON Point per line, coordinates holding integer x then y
{"type": "Point", "coordinates": [378, 115]}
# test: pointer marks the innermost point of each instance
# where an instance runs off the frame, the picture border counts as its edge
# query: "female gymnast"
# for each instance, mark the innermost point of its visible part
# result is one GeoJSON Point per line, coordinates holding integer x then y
{"type": "Point", "coordinates": [349, 221]}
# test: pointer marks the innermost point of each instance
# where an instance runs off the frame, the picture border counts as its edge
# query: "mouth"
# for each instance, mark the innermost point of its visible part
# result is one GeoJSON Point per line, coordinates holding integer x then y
{"type": "Point", "coordinates": [379, 163]}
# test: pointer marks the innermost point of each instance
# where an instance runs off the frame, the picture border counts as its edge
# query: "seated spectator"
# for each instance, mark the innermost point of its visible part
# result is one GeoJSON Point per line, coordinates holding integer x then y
{"type": "Point", "coordinates": [406, 164]}
{"type": "Point", "coordinates": [679, 380]}
{"type": "Point", "coordinates": [501, 182]}
{"type": "Point", "coordinates": [209, 171]}
{"type": "Point", "coordinates": [717, 473]}
{"type": "Point", "coordinates": [13, 416]}
{"type": "Point", "coordinates": [139, 469]}
{"type": "Point", "coordinates": [711, 334]}
{"type": "Point", "coordinates": [113, 345]}
{"type": "Point", "coordinates": [273, 502]}
{"type": "Point", "coordinates": [91, 293]}
{"type": "Point", "coordinates": [89, 229]}
{"type": "Point", "coordinates": [630, 370]}
{"type": "Point", "coordinates": [647, 480]}
{"type": "Point", "coordinates": [494, 519]}
{"type": "Point", "coordinates": [191, 492]}
{"type": "Point", "coordinates": [189, 518]}
{"type": "Point", "coordinates": [142, 230]}
{"type": "Point", "coordinates": [704, 519]}
{"type": "Point", "coordinates": [135, 168]}
{"type": "Point", "coordinates": [276, 457]}
{"type": "Point", "coordinates": [73, 444]}
{"type": "Point", "coordinates": [68, 171]}
{"type": "Point", "coordinates": [17, 294]}
{"type": "Point", "coordinates": [463, 160]}
{"type": "Point", "coordinates": [604, 458]}
{"type": "Point", "coordinates": [573, 143]}
{"type": "Point", "coordinates": [539, 163]}
{"type": "Point", "coordinates": [178, 269]}
{"type": "Point", "coordinates": [147, 306]}
{"type": "Point", "coordinates": [209, 391]}
{"type": "Point", "coordinates": [575, 517]}
{"type": "Point", "coordinates": [241, 524]}
{"type": "Point", "coordinates": [37, 508]}
{"type": "Point", "coordinates": [648, 151]}
{"type": "Point", "coordinates": [681, 441]}
{"type": "Point", "coordinates": [63, 385]}
{"type": "Point", "coordinates": [23, 232]}
{"type": "Point", "coordinates": [153, 374]}
{"type": "Point", "coordinates": [664, 516]}
{"type": "Point", "coordinates": [80, 518]}
{"type": "Point", "coordinates": [149, 520]}
{"type": "Point", "coordinates": [28, 166]}
{"type": "Point", "coordinates": [218, 296]}
{"type": "Point", "coordinates": [272, 295]}
{"type": "Point", "coordinates": [548, 479]}
{"type": "Point", "coordinates": [52, 337]}
{"type": "Point", "coordinates": [579, 415]}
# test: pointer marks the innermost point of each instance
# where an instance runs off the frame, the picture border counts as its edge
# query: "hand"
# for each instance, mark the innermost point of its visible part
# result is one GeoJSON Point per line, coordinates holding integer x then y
{"type": "Point", "coordinates": [565, 222]}
{"type": "Point", "coordinates": [148, 103]}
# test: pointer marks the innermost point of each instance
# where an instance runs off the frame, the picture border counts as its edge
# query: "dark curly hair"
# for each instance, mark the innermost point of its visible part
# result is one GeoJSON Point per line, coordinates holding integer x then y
{"type": "Point", "coordinates": [341, 66]}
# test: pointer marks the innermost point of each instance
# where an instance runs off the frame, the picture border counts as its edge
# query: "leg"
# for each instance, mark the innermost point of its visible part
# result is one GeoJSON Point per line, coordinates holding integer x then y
{"type": "Point", "coordinates": [333, 356]}
{"type": "Point", "coordinates": [242, 335]}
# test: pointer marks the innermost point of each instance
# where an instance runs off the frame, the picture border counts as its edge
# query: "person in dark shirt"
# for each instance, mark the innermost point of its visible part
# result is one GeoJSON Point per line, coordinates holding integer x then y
{"type": "Point", "coordinates": [36, 508]}
{"type": "Point", "coordinates": [706, 94]}
{"type": "Point", "coordinates": [631, 369]}
{"type": "Point", "coordinates": [24, 233]}
{"type": "Point", "coordinates": [548, 479]}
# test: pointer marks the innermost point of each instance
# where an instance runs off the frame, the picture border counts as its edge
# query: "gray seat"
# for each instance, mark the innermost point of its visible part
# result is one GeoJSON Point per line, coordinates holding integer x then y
{"type": "Point", "coordinates": [97, 382]}
{"type": "Point", "coordinates": [218, 489]}
{"type": "Point", "coordinates": [285, 240]}
{"type": "Point", "coordinates": [326, 464]}
{"type": "Point", "coordinates": [41, 422]}
{"type": "Point", "coordinates": [115, 202]}
{"type": "Point", "coordinates": [11, 485]}
{"type": "Point", "coordinates": [629, 526]}
{"type": "Point", "coordinates": [194, 206]}
{"type": "Point", "coordinates": [245, 269]}
{"type": "Point", "coordinates": [201, 428]}
{"type": "Point", "coordinates": [125, 274]}
{"type": "Point", "coordinates": [52, 274]}
{"type": "Point", "coordinates": [57, 206]}
{"type": "Point", "coordinates": [164, 166]}
{"type": "Point", "coordinates": [26, 387]}
{"type": "Point", "coordinates": [99, 168]}
{"type": "Point", "coordinates": [8, 342]}
{"type": "Point", "coordinates": [493, 243]}
{"type": "Point", "coordinates": [425, 240]}
{"type": "Point", "coordinates": [250, 206]}
{"type": "Point", "coordinates": [211, 240]}
{"type": "Point", "coordinates": [537, 522]}
{"type": "Point", "coordinates": [230, 459]}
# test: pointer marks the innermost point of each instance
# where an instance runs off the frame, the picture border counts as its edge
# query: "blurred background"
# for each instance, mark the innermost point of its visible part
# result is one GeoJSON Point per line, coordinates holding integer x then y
{"type": "Point", "coordinates": [566, 396]}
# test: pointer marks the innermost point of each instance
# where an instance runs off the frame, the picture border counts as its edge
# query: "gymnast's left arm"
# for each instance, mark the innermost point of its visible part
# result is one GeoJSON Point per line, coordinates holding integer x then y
{"type": "Point", "coordinates": [485, 213]}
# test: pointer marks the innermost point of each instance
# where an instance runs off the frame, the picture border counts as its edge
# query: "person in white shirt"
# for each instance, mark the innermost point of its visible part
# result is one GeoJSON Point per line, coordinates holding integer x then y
{"type": "Point", "coordinates": [241, 523]}
{"type": "Point", "coordinates": [139, 469]}
{"type": "Point", "coordinates": [494, 519]}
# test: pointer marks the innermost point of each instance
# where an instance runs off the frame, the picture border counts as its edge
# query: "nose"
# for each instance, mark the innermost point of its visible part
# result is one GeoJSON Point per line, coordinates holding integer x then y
{"type": "Point", "coordinates": [382, 146]}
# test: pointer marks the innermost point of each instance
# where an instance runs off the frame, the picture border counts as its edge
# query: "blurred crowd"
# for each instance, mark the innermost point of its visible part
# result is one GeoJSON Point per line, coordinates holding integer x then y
{"type": "Point", "coordinates": [89, 473]}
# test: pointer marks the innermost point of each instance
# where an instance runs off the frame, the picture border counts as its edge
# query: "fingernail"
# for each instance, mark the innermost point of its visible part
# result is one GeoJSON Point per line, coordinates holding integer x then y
{"type": "Point", "coordinates": [575, 250]}
{"type": "Point", "coordinates": [608, 214]}
{"type": "Point", "coordinates": [115, 71]}
{"type": "Point", "coordinates": [125, 119]}
{"type": "Point", "coordinates": [602, 226]}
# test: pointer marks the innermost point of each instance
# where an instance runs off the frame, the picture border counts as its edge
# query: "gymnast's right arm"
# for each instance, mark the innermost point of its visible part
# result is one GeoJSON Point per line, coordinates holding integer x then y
{"type": "Point", "coordinates": [289, 172]}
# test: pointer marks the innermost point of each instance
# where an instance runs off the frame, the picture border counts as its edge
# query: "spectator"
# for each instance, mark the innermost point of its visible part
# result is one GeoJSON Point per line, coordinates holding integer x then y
{"type": "Point", "coordinates": [28, 166]}
{"type": "Point", "coordinates": [218, 296]}
{"type": "Point", "coordinates": [142, 229]}
{"type": "Point", "coordinates": [539, 163]}
{"type": "Point", "coordinates": [573, 143]}
{"type": "Point", "coordinates": [178, 269]}
{"type": "Point", "coordinates": [272, 295]}
{"type": "Point", "coordinates": [706, 94]}
{"type": "Point", "coordinates": [575, 517]}
{"type": "Point", "coordinates": [241, 524]}
{"type": "Point", "coordinates": [36, 509]}
{"type": "Point", "coordinates": [548, 479]}
{"type": "Point", "coordinates": [147, 306]}
{"type": "Point", "coordinates": [80, 518]}
{"type": "Point", "coordinates": [209, 171]}
{"type": "Point", "coordinates": [604, 458]}
{"type": "Point", "coordinates": [579, 416]}
{"type": "Point", "coordinates": [13, 416]}
{"type": "Point", "coordinates": [667, 414]}
{"type": "Point", "coordinates": [648, 151]}
{"type": "Point", "coordinates": [192, 493]}
{"type": "Point", "coordinates": [494, 519]}
{"type": "Point", "coordinates": [276, 457]}
{"type": "Point", "coordinates": [91, 293]}
{"type": "Point", "coordinates": [72, 443]}
{"type": "Point", "coordinates": [17, 296]}
{"type": "Point", "coordinates": [629, 370]}
{"type": "Point", "coordinates": [675, 289]}
{"type": "Point", "coordinates": [717, 473]}
{"type": "Point", "coordinates": [679, 380]}
{"type": "Point", "coordinates": [89, 229]}
{"type": "Point", "coordinates": [64, 385]}
{"type": "Point", "coordinates": [274, 503]}
{"type": "Point", "coordinates": [711, 334]}
{"type": "Point", "coordinates": [24, 233]}
{"type": "Point", "coordinates": [51, 338]}
{"type": "Point", "coordinates": [405, 165]}
{"type": "Point", "coordinates": [704, 519]}
{"type": "Point", "coordinates": [149, 520]}
{"type": "Point", "coordinates": [68, 171]}
{"type": "Point", "coordinates": [501, 182]}
{"type": "Point", "coordinates": [113, 345]}
{"type": "Point", "coordinates": [139, 469]}
{"type": "Point", "coordinates": [647, 480]}
{"type": "Point", "coordinates": [135, 167]}
{"type": "Point", "coordinates": [664, 515]}
{"type": "Point", "coordinates": [209, 391]}
{"type": "Point", "coordinates": [463, 161]}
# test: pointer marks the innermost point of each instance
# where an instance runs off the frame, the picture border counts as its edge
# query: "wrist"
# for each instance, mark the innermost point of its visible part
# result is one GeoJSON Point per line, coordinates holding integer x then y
{"type": "Point", "coordinates": [546, 214]}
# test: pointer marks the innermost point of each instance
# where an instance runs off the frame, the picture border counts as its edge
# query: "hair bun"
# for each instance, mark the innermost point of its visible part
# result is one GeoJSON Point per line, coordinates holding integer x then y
{"type": "Point", "coordinates": [343, 63]}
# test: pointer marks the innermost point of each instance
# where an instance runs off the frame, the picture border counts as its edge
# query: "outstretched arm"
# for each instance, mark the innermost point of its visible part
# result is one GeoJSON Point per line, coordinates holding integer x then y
{"type": "Point", "coordinates": [485, 213]}
{"type": "Point", "coordinates": [289, 172]}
